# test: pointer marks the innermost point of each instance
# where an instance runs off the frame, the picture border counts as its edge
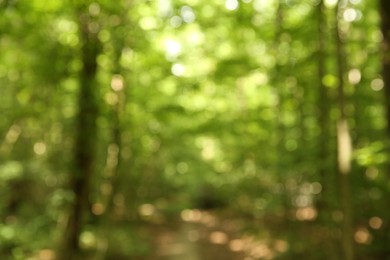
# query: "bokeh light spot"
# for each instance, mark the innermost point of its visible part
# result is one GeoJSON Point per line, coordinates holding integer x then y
{"type": "Point", "coordinates": [218, 237]}
{"type": "Point", "coordinates": [39, 148]}
{"type": "Point", "coordinates": [375, 222]}
{"type": "Point", "coordinates": [231, 4]}
{"type": "Point", "coordinates": [354, 76]}
{"type": "Point", "coordinates": [178, 69]}
{"type": "Point", "coordinates": [363, 236]}
{"type": "Point", "coordinates": [377, 84]}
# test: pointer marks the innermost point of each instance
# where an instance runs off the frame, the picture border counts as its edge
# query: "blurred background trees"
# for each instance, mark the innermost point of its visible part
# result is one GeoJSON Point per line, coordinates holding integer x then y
{"type": "Point", "coordinates": [121, 117]}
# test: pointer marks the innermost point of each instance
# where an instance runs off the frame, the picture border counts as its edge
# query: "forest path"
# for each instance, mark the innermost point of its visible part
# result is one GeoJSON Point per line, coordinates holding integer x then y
{"type": "Point", "coordinates": [201, 235]}
{"type": "Point", "coordinates": [177, 245]}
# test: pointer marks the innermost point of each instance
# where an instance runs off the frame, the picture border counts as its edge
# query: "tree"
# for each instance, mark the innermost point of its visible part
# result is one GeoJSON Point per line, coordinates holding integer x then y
{"type": "Point", "coordinates": [121, 119]}
{"type": "Point", "coordinates": [86, 129]}
{"type": "Point", "coordinates": [344, 142]}
{"type": "Point", "coordinates": [385, 29]}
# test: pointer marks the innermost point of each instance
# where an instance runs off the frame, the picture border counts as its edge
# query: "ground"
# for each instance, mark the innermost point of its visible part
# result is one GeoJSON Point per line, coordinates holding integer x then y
{"type": "Point", "coordinates": [202, 235]}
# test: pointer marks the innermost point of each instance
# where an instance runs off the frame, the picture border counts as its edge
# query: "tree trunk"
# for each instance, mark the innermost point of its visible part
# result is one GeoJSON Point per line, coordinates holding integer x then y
{"type": "Point", "coordinates": [385, 27]}
{"type": "Point", "coordinates": [115, 148]}
{"type": "Point", "coordinates": [86, 134]}
{"type": "Point", "coordinates": [384, 6]}
{"type": "Point", "coordinates": [324, 205]}
{"type": "Point", "coordinates": [344, 144]}
{"type": "Point", "coordinates": [323, 107]}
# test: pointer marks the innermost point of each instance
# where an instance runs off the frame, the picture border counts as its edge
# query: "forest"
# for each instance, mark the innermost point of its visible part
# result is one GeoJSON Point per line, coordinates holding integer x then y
{"type": "Point", "coordinates": [195, 129]}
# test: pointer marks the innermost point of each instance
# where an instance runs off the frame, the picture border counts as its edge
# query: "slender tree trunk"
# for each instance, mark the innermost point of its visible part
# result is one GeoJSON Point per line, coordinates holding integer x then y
{"type": "Point", "coordinates": [323, 105]}
{"type": "Point", "coordinates": [115, 148]}
{"type": "Point", "coordinates": [114, 212]}
{"type": "Point", "coordinates": [385, 27]}
{"type": "Point", "coordinates": [280, 127]}
{"type": "Point", "coordinates": [324, 153]}
{"type": "Point", "coordinates": [86, 134]}
{"type": "Point", "coordinates": [118, 87]}
{"type": "Point", "coordinates": [384, 6]}
{"type": "Point", "coordinates": [344, 143]}
{"type": "Point", "coordinates": [110, 214]}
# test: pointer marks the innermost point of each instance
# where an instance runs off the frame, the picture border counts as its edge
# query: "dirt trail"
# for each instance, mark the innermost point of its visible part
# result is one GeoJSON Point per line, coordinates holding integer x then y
{"type": "Point", "coordinates": [203, 235]}
{"type": "Point", "coordinates": [199, 236]}
{"type": "Point", "coordinates": [177, 245]}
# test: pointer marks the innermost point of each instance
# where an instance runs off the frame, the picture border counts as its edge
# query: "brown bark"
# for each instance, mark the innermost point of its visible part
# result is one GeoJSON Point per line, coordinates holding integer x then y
{"type": "Point", "coordinates": [323, 105]}
{"type": "Point", "coordinates": [86, 134]}
{"type": "Point", "coordinates": [118, 86]}
{"type": "Point", "coordinates": [115, 149]}
{"type": "Point", "coordinates": [385, 28]}
{"type": "Point", "coordinates": [384, 6]}
{"type": "Point", "coordinates": [344, 145]}
{"type": "Point", "coordinates": [324, 205]}
{"type": "Point", "coordinates": [280, 110]}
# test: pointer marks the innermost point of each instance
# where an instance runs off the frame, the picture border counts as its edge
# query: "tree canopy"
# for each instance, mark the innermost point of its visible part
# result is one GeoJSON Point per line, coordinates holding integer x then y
{"type": "Point", "coordinates": [124, 119]}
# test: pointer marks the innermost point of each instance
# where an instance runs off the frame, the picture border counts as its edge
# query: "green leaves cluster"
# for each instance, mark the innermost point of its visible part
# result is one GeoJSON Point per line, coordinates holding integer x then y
{"type": "Point", "coordinates": [222, 94]}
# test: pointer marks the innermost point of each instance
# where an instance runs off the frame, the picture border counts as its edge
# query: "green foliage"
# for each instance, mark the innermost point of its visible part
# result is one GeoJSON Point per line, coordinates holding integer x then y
{"type": "Point", "coordinates": [191, 95]}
